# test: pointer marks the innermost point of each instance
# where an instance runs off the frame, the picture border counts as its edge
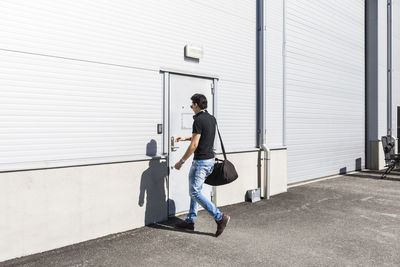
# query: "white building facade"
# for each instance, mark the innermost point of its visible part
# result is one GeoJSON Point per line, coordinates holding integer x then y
{"type": "Point", "coordinates": [93, 93]}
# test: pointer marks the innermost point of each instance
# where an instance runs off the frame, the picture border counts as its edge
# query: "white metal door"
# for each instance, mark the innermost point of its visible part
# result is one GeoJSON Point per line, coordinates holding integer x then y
{"type": "Point", "coordinates": [180, 124]}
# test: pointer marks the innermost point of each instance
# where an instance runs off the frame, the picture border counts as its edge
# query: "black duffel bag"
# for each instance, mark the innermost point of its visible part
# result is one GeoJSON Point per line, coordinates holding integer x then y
{"type": "Point", "coordinates": [224, 172]}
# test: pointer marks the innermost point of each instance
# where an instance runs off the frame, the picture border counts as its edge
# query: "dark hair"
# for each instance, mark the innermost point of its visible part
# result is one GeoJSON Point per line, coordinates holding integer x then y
{"type": "Point", "coordinates": [200, 100]}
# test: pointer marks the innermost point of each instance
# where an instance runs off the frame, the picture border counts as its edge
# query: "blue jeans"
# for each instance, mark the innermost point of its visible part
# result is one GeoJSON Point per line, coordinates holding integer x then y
{"type": "Point", "coordinates": [198, 173]}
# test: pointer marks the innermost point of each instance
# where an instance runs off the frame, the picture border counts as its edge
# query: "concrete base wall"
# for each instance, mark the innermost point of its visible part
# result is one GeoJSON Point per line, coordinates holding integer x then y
{"type": "Point", "coordinates": [235, 192]}
{"type": "Point", "coordinates": [278, 172]}
{"type": "Point", "coordinates": [251, 176]}
{"type": "Point", "coordinates": [376, 157]}
{"type": "Point", "coordinates": [46, 209]}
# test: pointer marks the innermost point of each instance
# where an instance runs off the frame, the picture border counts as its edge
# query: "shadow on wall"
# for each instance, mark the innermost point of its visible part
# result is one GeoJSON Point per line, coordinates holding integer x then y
{"type": "Point", "coordinates": [153, 187]}
{"type": "Point", "coordinates": [357, 166]}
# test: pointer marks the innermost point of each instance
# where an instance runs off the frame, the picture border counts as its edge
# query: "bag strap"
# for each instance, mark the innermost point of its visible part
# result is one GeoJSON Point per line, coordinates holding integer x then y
{"type": "Point", "coordinates": [220, 139]}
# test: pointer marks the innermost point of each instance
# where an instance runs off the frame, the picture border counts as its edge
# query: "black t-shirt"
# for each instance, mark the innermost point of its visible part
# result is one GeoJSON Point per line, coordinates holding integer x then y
{"type": "Point", "coordinates": [204, 124]}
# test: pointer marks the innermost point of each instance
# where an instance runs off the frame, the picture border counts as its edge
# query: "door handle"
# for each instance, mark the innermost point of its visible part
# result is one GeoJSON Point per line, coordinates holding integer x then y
{"type": "Point", "coordinates": [173, 147]}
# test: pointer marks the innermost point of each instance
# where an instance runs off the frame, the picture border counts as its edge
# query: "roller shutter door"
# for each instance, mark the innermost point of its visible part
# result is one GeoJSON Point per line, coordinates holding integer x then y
{"type": "Point", "coordinates": [325, 87]}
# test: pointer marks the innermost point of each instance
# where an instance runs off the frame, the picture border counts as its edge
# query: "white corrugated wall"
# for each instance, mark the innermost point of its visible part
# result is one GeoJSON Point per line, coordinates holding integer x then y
{"type": "Point", "coordinates": [325, 87]}
{"type": "Point", "coordinates": [273, 72]}
{"type": "Point", "coordinates": [81, 83]}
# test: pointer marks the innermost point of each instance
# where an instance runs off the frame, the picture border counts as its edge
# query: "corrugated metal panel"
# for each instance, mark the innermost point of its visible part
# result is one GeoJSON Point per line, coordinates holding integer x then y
{"type": "Point", "coordinates": [237, 117]}
{"type": "Point", "coordinates": [66, 64]}
{"type": "Point", "coordinates": [325, 87]}
{"type": "Point", "coordinates": [274, 72]}
{"type": "Point", "coordinates": [53, 110]}
{"type": "Point", "coordinates": [145, 34]}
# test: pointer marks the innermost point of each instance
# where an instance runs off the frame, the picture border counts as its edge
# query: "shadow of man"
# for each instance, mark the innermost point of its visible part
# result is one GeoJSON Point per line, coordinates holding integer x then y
{"type": "Point", "coordinates": [153, 185]}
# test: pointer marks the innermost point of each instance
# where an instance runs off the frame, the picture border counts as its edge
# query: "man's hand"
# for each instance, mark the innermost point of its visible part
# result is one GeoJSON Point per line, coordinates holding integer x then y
{"type": "Point", "coordinates": [180, 138]}
{"type": "Point", "coordinates": [178, 165]}
{"type": "Point", "coordinates": [192, 147]}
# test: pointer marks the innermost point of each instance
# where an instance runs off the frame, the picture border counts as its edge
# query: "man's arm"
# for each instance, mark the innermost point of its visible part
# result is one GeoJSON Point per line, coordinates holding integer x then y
{"type": "Point", "coordinates": [190, 150]}
{"type": "Point", "coordinates": [180, 138]}
{"type": "Point", "coordinates": [192, 147]}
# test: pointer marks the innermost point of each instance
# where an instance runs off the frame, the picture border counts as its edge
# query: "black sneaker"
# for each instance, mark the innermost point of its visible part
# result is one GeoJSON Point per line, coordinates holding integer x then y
{"type": "Point", "coordinates": [185, 225]}
{"type": "Point", "coordinates": [221, 224]}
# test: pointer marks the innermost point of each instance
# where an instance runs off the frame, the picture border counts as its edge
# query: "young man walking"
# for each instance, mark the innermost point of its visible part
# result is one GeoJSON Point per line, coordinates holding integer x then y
{"type": "Point", "coordinates": [202, 141]}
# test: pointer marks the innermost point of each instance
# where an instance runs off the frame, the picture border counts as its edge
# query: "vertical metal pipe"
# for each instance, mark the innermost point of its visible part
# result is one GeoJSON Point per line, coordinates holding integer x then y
{"type": "Point", "coordinates": [263, 55]}
{"type": "Point", "coordinates": [389, 67]}
{"type": "Point", "coordinates": [262, 93]}
{"type": "Point", "coordinates": [267, 157]}
{"type": "Point", "coordinates": [260, 70]}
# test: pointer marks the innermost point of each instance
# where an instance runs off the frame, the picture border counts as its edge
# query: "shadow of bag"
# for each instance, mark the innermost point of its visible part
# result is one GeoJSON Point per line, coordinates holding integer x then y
{"type": "Point", "coordinates": [224, 172]}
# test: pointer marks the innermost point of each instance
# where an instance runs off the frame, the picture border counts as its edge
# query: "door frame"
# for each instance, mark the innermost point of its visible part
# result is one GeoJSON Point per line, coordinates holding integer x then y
{"type": "Point", "coordinates": [166, 98]}
{"type": "Point", "coordinates": [166, 115]}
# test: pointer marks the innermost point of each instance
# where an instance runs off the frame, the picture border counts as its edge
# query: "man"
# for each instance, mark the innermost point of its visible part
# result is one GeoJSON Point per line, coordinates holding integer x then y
{"type": "Point", "coordinates": [202, 141]}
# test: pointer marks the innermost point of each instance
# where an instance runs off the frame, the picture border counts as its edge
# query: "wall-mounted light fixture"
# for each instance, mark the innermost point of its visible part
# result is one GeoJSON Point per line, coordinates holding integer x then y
{"type": "Point", "coordinates": [193, 51]}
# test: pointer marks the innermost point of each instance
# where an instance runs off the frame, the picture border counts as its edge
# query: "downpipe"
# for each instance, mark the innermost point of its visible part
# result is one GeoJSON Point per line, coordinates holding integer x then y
{"type": "Point", "coordinates": [389, 68]}
{"type": "Point", "coordinates": [389, 72]}
{"type": "Point", "coordinates": [267, 162]}
{"type": "Point", "coordinates": [262, 94]}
